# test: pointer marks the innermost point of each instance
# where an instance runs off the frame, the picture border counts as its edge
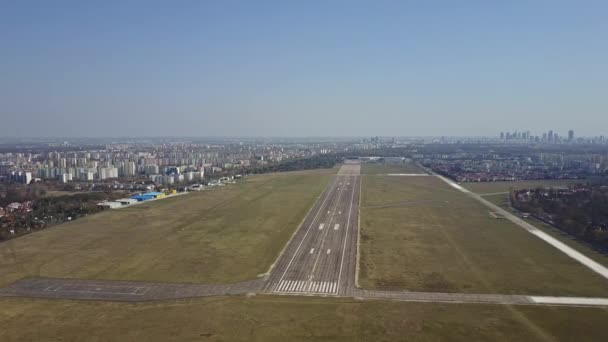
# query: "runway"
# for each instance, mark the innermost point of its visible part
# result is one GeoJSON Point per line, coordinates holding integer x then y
{"type": "Point", "coordinates": [320, 258]}
{"type": "Point", "coordinates": [122, 291]}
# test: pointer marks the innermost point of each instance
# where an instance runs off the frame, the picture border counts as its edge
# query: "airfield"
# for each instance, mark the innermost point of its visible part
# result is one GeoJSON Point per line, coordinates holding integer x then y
{"type": "Point", "coordinates": [360, 235]}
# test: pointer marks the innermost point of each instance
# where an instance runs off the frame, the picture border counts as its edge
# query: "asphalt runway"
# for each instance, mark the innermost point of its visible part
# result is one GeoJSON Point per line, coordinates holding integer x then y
{"type": "Point", "coordinates": [122, 291]}
{"type": "Point", "coordinates": [320, 258]}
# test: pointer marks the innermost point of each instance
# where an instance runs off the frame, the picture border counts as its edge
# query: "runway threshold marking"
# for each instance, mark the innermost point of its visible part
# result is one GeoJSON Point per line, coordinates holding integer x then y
{"type": "Point", "coordinates": [312, 250]}
{"type": "Point", "coordinates": [303, 286]}
{"type": "Point", "coordinates": [321, 226]}
{"type": "Point", "coordinates": [306, 234]}
{"type": "Point", "coordinates": [337, 226]}
{"type": "Point", "coordinates": [328, 251]}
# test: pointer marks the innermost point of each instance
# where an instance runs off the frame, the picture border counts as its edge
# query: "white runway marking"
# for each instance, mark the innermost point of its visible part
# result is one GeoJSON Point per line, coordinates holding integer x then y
{"type": "Point", "coordinates": [295, 286]}
{"type": "Point", "coordinates": [337, 226]}
{"type": "Point", "coordinates": [569, 300]}
{"type": "Point", "coordinates": [339, 212]}
{"type": "Point", "coordinates": [321, 226]}
{"type": "Point", "coordinates": [350, 210]}
{"type": "Point", "coordinates": [312, 250]}
{"type": "Point", "coordinates": [328, 251]}
{"type": "Point", "coordinates": [306, 234]}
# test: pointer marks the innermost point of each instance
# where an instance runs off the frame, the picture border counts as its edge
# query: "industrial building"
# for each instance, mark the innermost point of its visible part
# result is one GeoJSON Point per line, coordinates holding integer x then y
{"type": "Point", "coordinates": [148, 196]}
{"type": "Point", "coordinates": [126, 201]}
{"type": "Point", "coordinates": [109, 205]}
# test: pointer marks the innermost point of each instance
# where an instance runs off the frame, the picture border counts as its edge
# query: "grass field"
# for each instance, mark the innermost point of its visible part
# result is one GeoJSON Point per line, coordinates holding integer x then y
{"type": "Point", "coordinates": [420, 234]}
{"type": "Point", "coordinates": [265, 318]}
{"type": "Point", "coordinates": [503, 201]}
{"type": "Point", "coordinates": [492, 187]}
{"type": "Point", "coordinates": [224, 235]}
{"type": "Point", "coordinates": [381, 168]}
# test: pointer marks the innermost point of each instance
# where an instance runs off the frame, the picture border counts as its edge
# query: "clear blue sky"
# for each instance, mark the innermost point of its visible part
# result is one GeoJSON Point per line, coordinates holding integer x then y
{"type": "Point", "coordinates": [281, 68]}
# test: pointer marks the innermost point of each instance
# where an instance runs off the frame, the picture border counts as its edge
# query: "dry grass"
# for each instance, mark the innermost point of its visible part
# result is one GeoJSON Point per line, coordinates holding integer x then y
{"type": "Point", "coordinates": [434, 238]}
{"type": "Point", "coordinates": [382, 168]}
{"type": "Point", "coordinates": [267, 318]}
{"type": "Point", "coordinates": [224, 235]}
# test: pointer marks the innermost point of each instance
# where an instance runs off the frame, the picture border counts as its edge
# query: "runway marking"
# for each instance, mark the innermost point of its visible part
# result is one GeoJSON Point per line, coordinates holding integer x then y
{"type": "Point", "coordinates": [328, 251]}
{"type": "Point", "coordinates": [328, 211]}
{"type": "Point", "coordinates": [305, 234]}
{"type": "Point", "coordinates": [312, 250]}
{"type": "Point", "coordinates": [337, 226]}
{"type": "Point", "coordinates": [321, 226]}
{"type": "Point", "coordinates": [339, 212]}
{"type": "Point", "coordinates": [346, 235]}
{"type": "Point", "coordinates": [569, 300]}
{"type": "Point", "coordinates": [96, 288]}
{"type": "Point", "coordinates": [314, 266]}
{"type": "Point", "coordinates": [306, 286]}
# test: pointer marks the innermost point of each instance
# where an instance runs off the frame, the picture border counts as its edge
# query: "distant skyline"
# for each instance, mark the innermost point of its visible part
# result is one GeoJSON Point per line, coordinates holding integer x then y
{"type": "Point", "coordinates": [270, 68]}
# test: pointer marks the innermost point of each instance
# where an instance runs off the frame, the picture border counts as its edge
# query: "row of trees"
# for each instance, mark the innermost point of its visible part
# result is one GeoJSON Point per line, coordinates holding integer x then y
{"type": "Point", "coordinates": [49, 211]}
{"type": "Point", "coordinates": [581, 212]}
{"type": "Point", "coordinates": [12, 192]}
{"type": "Point", "coordinates": [323, 161]}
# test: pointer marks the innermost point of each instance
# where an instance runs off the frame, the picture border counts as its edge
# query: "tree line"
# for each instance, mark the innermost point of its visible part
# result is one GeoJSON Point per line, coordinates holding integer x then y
{"type": "Point", "coordinates": [580, 211]}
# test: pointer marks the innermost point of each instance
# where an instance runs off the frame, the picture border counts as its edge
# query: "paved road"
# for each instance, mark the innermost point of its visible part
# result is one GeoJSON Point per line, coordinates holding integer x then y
{"type": "Point", "coordinates": [320, 258]}
{"type": "Point", "coordinates": [128, 291]}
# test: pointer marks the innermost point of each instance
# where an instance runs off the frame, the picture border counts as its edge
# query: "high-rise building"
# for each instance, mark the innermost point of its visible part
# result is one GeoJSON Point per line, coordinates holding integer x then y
{"type": "Point", "coordinates": [130, 169]}
{"type": "Point", "coordinates": [151, 169]}
{"type": "Point", "coordinates": [570, 135]}
{"type": "Point", "coordinates": [21, 177]}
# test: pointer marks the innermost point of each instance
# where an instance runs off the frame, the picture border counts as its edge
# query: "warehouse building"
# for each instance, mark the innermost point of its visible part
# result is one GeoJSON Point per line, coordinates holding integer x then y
{"type": "Point", "coordinates": [148, 196]}
{"type": "Point", "coordinates": [109, 205]}
{"type": "Point", "coordinates": [126, 201]}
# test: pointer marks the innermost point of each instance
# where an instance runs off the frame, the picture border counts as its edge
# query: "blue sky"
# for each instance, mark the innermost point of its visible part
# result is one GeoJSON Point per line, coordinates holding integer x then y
{"type": "Point", "coordinates": [281, 68]}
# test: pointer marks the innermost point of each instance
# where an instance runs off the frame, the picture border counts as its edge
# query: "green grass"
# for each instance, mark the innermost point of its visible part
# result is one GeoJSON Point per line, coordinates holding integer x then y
{"type": "Point", "coordinates": [266, 318]}
{"type": "Point", "coordinates": [420, 234]}
{"type": "Point", "coordinates": [381, 168]}
{"type": "Point", "coordinates": [503, 201]}
{"type": "Point", "coordinates": [224, 235]}
{"type": "Point", "coordinates": [492, 187]}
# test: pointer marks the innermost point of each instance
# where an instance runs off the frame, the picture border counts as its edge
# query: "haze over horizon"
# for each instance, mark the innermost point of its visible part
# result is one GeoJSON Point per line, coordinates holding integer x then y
{"type": "Point", "coordinates": [388, 68]}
